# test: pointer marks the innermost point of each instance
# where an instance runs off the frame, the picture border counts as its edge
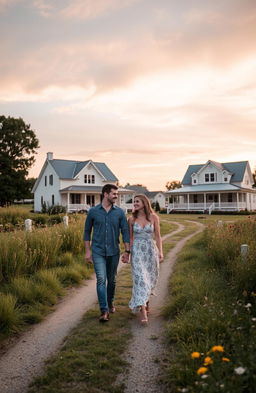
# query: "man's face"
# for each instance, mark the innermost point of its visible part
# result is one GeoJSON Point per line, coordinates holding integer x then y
{"type": "Point", "coordinates": [112, 196]}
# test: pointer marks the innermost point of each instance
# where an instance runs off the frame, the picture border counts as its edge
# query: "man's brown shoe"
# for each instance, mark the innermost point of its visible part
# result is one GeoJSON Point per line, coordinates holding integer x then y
{"type": "Point", "coordinates": [104, 317]}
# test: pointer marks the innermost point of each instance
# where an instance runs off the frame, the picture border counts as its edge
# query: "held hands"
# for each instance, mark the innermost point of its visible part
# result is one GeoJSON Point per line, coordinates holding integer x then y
{"type": "Point", "coordinates": [125, 257]}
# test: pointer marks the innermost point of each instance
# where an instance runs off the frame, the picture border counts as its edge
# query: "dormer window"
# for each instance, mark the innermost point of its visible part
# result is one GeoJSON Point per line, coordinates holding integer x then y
{"type": "Point", "coordinates": [210, 177]}
{"type": "Point", "coordinates": [225, 179]}
{"type": "Point", "coordinates": [194, 181]}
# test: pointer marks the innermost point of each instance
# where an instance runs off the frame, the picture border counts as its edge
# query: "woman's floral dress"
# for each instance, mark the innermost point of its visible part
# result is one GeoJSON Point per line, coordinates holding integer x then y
{"type": "Point", "coordinates": [145, 264]}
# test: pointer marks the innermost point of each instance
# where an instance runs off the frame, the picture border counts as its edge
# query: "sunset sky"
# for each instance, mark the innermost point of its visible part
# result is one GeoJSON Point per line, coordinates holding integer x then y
{"type": "Point", "coordinates": [146, 86]}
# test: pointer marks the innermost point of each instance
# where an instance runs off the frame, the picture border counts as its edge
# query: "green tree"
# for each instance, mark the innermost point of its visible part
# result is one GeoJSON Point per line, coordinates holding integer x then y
{"type": "Point", "coordinates": [171, 185]}
{"type": "Point", "coordinates": [18, 144]}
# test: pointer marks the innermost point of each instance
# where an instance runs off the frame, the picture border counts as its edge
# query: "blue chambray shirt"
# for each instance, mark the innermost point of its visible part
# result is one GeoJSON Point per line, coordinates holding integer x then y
{"type": "Point", "coordinates": [106, 229]}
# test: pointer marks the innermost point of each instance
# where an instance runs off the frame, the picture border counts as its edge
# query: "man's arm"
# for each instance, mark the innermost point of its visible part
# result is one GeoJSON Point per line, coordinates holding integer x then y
{"type": "Point", "coordinates": [87, 237]}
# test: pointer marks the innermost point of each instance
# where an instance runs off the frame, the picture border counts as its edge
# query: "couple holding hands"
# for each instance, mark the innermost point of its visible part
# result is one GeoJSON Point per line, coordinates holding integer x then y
{"type": "Point", "coordinates": [142, 240]}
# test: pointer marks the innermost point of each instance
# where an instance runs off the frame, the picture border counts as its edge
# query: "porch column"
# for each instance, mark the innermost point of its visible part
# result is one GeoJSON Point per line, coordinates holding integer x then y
{"type": "Point", "coordinates": [204, 201]}
{"type": "Point", "coordinates": [219, 200]}
{"type": "Point", "coordinates": [188, 201]}
{"type": "Point", "coordinates": [237, 200]}
{"type": "Point", "coordinates": [68, 202]}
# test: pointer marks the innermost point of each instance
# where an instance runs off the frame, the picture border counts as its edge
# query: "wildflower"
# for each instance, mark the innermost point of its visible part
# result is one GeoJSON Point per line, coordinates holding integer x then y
{"type": "Point", "coordinates": [217, 348]}
{"type": "Point", "coordinates": [225, 359]}
{"type": "Point", "coordinates": [195, 355]}
{"type": "Point", "coordinates": [202, 370]}
{"type": "Point", "coordinates": [208, 360]}
{"type": "Point", "coordinates": [240, 370]}
{"type": "Point", "coordinates": [248, 305]}
{"type": "Point", "coordinates": [253, 319]}
{"type": "Point", "coordinates": [204, 376]}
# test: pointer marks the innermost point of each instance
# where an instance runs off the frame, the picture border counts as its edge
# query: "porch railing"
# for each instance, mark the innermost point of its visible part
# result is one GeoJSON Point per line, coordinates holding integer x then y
{"type": "Point", "coordinates": [75, 207]}
{"type": "Point", "coordinates": [207, 206]}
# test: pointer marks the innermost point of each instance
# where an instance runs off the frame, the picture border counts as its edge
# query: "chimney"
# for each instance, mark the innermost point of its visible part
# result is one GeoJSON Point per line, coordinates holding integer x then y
{"type": "Point", "coordinates": [49, 156]}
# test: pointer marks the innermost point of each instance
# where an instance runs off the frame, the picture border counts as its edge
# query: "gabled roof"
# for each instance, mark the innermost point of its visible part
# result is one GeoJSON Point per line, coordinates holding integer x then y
{"type": "Point", "coordinates": [67, 169]}
{"type": "Point", "coordinates": [204, 188]}
{"type": "Point", "coordinates": [237, 170]}
{"type": "Point", "coordinates": [138, 189]}
{"type": "Point", "coordinates": [152, 194]}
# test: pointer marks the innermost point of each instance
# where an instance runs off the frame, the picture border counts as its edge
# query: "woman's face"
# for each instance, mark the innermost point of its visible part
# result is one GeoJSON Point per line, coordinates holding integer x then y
{"type": "Point", "coordinates": [138, 204]}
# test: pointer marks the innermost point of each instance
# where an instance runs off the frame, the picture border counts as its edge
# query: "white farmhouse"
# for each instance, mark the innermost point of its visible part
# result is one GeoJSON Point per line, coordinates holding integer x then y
{"type": "Point", "coordinates": [75, 184]}
{"type": "Point", "coordinates": [214, 186]}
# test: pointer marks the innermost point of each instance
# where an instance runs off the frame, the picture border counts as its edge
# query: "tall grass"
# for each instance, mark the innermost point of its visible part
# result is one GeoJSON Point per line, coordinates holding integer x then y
{"type": "Point", "coordinates": [212, 313]}
{"type": "Point", "coordinates": [34, 269]}
{"type": "Point", "coordinates": [23, 253]}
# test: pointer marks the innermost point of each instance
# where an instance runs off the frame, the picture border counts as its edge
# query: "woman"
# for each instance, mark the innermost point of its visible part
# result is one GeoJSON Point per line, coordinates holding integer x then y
{"type": "Point", "coordinates": [146, 253]}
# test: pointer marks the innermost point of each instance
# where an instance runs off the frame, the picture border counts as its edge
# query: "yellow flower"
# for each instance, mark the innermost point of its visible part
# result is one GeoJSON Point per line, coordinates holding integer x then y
{"type": "Point", "coordinates": [217, 348]}
{"type": "Point", "coordinates": [208, 360]}
{"type": "Point", "coordinates": [226, 359]}
{"type": "Point", "coordinates": [195, 355]}
{"type": "Point", "coordinates": [202, 370]}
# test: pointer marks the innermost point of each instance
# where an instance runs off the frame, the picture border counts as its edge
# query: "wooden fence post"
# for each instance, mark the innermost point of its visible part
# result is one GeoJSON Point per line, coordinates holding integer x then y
{"type": "Point", "coordinates": [65, 221]}
{"type": "Point", "coordinates": [28, 225]}
{"type": "Point", "coordinates": [244, 251]}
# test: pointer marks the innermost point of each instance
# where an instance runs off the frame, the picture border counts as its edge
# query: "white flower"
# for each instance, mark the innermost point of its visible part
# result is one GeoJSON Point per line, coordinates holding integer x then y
{"type": "Point", "coordinates": [248, 305]}
{"type": "Point", "coordinates": [253, 319]}
{"type": "Point", "coordinates": [204, 376]}
{"type": "Point", "coordinates": [240, 370]}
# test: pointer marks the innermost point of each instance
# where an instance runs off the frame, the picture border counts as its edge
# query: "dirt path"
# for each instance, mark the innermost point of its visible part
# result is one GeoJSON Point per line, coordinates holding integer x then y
{"type": "Point", "coordinates": [147, 347]}
{"type": "Point", "coordinates": [25, 359]}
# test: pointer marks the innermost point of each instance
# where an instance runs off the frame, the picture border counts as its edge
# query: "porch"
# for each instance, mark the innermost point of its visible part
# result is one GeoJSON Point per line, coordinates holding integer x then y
{"type": "Point", "coordinates": [208, 202]}
{"type": "Point", "coordinates": [81, 199]}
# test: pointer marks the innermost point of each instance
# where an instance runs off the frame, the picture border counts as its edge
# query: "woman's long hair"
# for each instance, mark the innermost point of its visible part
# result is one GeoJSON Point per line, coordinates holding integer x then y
{"type": "Point", "coordinates": [147, 207]}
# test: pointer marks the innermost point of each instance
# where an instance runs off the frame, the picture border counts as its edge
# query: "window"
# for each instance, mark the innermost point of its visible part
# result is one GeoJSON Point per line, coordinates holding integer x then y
{"type": "Point", "coordinates": [195, 199]}
{"type": "Point", "coordinates": [194, 181]}
{"type": "Point", "coordinates": [230, 197]}
{"type": "Point", "coordinates": [75, 199]}
{"type": "Point", "coordinates": [225, 179]}
{"type": "Point", "coordinates": [52, 199]}
{"type": "Point", "coordinates": [45, 181]}
{"type": "Point", "coordinates": [42, 201]}
{"type": "Point", "coordinates": [210, 177]}
{"type": "Point", "coordinates": [51, 180]}
{"type": "Point", "coordinates": [89, 179]}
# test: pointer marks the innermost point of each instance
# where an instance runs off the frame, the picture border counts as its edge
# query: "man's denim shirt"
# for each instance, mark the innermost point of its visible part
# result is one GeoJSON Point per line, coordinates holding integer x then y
{"type": "Point", "coordinates": [106, 229]}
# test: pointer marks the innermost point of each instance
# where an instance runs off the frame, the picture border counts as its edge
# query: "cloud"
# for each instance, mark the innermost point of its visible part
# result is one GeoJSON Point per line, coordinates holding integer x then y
{"type": "Point", "coordinates": [90, 9]}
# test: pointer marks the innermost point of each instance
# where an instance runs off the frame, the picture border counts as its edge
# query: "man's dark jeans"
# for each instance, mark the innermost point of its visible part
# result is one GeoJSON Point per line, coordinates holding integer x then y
{"type": "Point", "coordinates": [106, 269]}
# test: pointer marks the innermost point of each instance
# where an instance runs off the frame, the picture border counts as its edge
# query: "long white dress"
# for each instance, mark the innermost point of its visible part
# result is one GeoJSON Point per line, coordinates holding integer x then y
{"type": "Point", "coordinates": [145, 265]}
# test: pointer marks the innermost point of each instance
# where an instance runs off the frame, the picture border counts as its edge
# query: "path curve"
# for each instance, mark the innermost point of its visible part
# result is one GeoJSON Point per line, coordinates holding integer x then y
{"type": "Point", "coordinates": [147, 347]}
{"type": "Point", "coordinates": [25, 359]}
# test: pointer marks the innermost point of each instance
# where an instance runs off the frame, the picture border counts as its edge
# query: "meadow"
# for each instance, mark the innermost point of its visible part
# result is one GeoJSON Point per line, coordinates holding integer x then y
{"type": "Point", "coordinates": [35, 267]}
{"type": "Point", "coordinates": [211, 312]}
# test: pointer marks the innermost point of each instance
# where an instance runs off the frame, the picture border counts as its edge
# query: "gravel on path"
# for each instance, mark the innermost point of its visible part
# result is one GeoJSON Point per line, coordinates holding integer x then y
{"type": "Point", "coordinates": [147, 347]}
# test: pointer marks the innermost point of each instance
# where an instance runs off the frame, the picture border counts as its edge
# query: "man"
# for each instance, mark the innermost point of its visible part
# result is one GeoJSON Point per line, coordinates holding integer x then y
{"type": "Point", "coordinates": [106, 220]}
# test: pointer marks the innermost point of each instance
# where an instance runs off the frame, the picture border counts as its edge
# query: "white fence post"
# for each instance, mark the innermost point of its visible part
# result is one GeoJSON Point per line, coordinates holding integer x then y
{"type": "Point", "coordinates": [28, 225]}
{"type": "Point", "coordinates": [244, 251]}
{"type": "Point", "coordinates": [65, 221]}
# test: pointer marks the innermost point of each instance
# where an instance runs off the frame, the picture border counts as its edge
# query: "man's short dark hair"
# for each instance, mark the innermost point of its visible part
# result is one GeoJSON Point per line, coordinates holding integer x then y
{"type": "Point", "coordinates": [107, 188]}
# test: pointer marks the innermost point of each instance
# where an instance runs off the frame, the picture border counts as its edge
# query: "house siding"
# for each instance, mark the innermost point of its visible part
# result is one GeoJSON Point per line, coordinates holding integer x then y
{"type": "Point", "coordinates": [46, 191]}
